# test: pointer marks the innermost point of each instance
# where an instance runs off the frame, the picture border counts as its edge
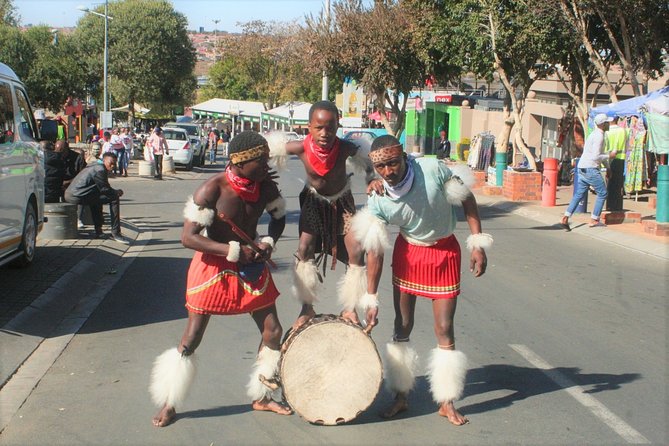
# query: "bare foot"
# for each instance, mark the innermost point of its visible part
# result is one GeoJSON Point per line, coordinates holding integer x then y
{"type": "Point", "coordinates": [304, 317]}
{"type": "Point", "coordinates": [400, 405]}
{"type": "Point", "coordinates": [272, 406]}
{"type": "Point", "coordinates": [448, 410]}
{"type": "Point", "coordinates": [351, 316]}
{"type": "Point", "coordinates": [165, 417]}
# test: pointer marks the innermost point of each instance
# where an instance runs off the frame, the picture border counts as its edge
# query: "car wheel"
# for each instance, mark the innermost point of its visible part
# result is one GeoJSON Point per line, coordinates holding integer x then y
{"type": "Point", "coordinates": [28, 238]}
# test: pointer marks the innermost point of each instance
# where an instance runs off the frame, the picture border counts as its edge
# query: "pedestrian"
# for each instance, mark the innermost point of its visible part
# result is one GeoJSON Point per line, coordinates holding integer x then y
{"type": "Point", "coordinates": [419, 196]}
{"type": "Point", "coordinates": [91, 188]}
{"type": "Point", "coordinates": [616, 140]}
{"type": "Point", "coordinates": [106, 144]}
{"type": "Point", "coordinates": [444, 148]}
{"type": "Point", "coordinates": [94, 153]}
{"type": "Point", "coordinates": [73, 161]}
{"type": "Point", "coordinates": [227, 275]}
{"type": "Point", "coordinates": [118, 147]}
{"type": "Point", "coordinates": [326, 208]}
{"type": "Point", "coordinates": [213, 146]}
{"type": "Point", "coordinates": [589, 173]}
{"type": "Point", "coordinates": [158, 147]}
{"type": "Point", "coordinates": [126, 140]}
{"type": "Point", "coordinates": [54, 172]}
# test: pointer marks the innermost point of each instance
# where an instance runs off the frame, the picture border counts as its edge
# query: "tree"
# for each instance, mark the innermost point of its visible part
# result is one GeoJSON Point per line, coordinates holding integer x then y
{"type": "Point", "coordinates": [53, 74]}
{"type": "Point", "coordinates": [228, 80]}
{"type": "Point", "coordinates": [8, 15]}
{"type": "Point", "coordinates": [637, 39]}
{"type": "Point", "coordinates": [151, 58]}
{"type": "Point", "coordinates": [15, 50]}
{"type": "Point", "coordinates": [383, 57]}
{"type": "Point", "coordinates": [266, 53]}
{"type": "Point", "coordinates": [494, 36]}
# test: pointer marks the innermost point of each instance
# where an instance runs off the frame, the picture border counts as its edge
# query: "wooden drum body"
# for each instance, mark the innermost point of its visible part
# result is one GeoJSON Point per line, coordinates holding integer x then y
{"type": "Point", "coordinates": [330, 370]}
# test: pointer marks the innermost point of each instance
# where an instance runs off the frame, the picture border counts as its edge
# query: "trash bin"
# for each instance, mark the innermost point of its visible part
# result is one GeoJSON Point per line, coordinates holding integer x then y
{"type": "Point", "coordinates": [61, 221]}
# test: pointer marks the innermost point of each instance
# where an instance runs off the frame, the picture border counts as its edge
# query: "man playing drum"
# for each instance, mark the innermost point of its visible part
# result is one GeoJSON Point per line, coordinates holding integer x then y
{"type": "Point", "coordinates": [228, 274]}
{"type": "Point", "coordinates": [326, 205]}
{"type": "Point", "coordinates": [419, 195]}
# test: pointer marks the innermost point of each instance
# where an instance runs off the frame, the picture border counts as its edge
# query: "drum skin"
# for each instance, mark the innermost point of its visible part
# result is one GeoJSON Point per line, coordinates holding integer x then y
{"type": "Point", "coordinates": [330, 370]}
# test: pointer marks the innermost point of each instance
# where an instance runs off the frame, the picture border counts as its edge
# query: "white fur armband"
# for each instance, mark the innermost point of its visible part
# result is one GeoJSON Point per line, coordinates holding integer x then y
{"type": "Point", "coordinates": [481, 240]}
{"type": "Point", "coordinates": [198, 214]}
{"type": "Point", "coordinates": [360, 162]}
{"type": "Point", "coordinates": [369, 301]}
{"type": "Point", "coordinates": [276, 208]}
{"type": "Point", "coordinates": [370, 231]}
{"type": "Point", "coordinates": [457, 188]}
{"type": "Point", "coordinates": [277, 148]}
{"type": "Point", "coordinates": [234, 249]}
{"type": "Point", "coordinates": [269, 240]}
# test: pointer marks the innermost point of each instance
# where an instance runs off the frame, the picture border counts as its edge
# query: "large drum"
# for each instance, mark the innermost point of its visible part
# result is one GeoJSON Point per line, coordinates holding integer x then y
{"type": "Point", "coordinates": [330, 370]}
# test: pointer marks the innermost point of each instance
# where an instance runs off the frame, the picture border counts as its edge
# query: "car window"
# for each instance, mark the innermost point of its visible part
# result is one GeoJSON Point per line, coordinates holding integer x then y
{"type": "Point", "coordinates": [175, 135]}
{"type": "Point", "coordinates": [6, 114]}
{"type": "Point", "coordinates": [28, 126]}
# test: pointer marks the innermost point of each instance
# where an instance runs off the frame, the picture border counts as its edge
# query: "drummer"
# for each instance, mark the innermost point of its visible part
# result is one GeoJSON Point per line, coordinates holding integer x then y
{"type": "Point", "coordinates": [226, 275]}
{"type": "Point", "coordinates": [419, 195]}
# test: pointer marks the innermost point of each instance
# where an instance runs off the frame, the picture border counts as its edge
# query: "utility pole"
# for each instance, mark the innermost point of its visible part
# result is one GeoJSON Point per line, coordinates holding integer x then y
{"type": "Point", "coordinates": [324, 91]}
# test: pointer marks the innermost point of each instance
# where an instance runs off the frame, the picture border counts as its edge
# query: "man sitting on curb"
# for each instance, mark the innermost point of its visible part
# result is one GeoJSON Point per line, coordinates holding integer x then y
{"type": "Point", "coordinates": [91, 187]}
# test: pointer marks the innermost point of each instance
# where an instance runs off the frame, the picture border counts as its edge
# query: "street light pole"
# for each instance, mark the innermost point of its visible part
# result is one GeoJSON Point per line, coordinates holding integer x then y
{"type": "Point", "coordinates": [324, 90]}
{"type": "Point", "coordinates": [106, 62]}
{"type": "Point", "coordinates": [105, 106]}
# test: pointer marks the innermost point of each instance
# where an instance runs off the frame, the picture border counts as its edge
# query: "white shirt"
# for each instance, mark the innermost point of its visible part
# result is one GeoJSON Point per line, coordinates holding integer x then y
{"type": "Point", "coordinates": [592, 150]}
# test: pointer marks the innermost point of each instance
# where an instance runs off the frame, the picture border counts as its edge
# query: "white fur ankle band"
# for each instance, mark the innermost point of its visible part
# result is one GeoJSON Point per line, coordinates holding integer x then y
{"type": "Point", "coordinates": [198, 214]}
{"type": "Point", "coordinates": [234, 249]}
{"type": "Point", "coordinates": [479, 241]}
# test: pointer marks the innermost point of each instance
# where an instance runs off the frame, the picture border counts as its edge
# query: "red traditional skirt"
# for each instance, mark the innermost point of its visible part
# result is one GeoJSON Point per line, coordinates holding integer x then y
{"type": "Point", "coordinates": [215, 287]}
{"type": "Point", "coordinates": [427, 271]}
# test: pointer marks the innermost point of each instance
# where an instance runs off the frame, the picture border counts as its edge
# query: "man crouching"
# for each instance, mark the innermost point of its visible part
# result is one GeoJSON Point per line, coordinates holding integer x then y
{"type": "Point", "coordinates": [228, 274]}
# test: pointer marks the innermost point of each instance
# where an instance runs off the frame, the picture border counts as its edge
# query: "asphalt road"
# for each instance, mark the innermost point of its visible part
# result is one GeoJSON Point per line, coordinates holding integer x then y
{"type": "Point", "coordinates": [566, 339]}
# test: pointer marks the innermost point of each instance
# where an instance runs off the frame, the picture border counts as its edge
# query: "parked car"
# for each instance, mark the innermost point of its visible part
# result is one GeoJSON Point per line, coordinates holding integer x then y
{"type": "Point", "coordinates": [294, 136]}
{"type": "Point", "coordinates": [180, 146]}
{"type": "Point", "coordinates": [21, 173]}
{"type": "Point", "coordinates": [196, 137]}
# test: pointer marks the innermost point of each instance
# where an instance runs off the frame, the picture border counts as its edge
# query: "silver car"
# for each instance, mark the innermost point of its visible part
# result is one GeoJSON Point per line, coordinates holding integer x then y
{"type": "Point", "coordinates": [21, 173]}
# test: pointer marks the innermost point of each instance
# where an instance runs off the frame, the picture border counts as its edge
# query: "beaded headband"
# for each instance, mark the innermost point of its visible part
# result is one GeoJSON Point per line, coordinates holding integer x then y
{"type": "Point", "coordinates": [249, 154]}
{"type": "Point", "coordinates": [386, 153]}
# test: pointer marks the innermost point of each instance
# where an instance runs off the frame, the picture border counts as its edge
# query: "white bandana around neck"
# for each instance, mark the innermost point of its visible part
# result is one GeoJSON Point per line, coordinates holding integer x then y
{"type": "Point", "coordinates": [403, 186]}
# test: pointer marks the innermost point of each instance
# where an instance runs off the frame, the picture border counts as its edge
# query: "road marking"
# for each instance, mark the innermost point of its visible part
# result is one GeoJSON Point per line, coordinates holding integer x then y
{"type": "Point", "coordinates": [627, 432]}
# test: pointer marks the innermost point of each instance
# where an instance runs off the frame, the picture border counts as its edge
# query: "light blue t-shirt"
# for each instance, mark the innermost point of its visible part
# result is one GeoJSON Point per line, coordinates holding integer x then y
{"type": "Point", "coordinates": [423, 213]}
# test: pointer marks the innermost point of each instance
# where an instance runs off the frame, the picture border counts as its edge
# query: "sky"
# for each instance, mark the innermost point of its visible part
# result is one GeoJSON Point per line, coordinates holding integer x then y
{"type": "Point", "coordinates": [200, 13]}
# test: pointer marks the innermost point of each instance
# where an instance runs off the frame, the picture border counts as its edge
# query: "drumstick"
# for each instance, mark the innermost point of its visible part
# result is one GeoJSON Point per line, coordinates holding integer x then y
{"type": "Point", "coordinates": [248, 240]}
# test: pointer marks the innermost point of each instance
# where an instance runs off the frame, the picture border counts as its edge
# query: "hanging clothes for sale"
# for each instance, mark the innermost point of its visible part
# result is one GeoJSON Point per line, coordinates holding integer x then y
{"type": "Point", "coordinates": [635, 159]}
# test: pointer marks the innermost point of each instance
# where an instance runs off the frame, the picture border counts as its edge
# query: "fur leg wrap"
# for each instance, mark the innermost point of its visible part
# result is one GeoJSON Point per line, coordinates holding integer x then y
{"type": "Point", "coordinates": [171, 378]}
{"type": "Point", "coordinates": [400, 365]}
{"type": "Point", "coordinates": [457, 188]}
{"type": "Point", "coordinates": [370, 231]}
{"type": "Point", "coordinates": [352, 287]}
{"type": "Point", "coordinates": [198, 214]}
{"type": "Point", "coordinates": [446, 372]}
{"type": "Point", "coordinates": [267, 365]}
{"type": "Point", "coordinates": [305, 281]}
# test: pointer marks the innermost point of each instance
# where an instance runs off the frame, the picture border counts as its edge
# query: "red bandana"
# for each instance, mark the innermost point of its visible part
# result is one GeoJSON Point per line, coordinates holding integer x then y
{"type": "Point", "coordinates": [248, 190]}
{"type": "Point", "coordinates": [322, 160]}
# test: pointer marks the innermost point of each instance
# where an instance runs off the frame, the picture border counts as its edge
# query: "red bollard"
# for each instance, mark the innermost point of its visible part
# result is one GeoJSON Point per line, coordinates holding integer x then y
{"type": "Point", "coordinates": [549, 188]}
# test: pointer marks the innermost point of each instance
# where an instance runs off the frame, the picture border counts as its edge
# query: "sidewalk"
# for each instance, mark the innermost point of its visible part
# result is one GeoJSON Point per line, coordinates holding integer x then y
{"type": "Point", "coordinates": [629, 234]}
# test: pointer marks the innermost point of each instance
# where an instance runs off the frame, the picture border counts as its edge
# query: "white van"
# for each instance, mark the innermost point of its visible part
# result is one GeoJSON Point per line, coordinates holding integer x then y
{"type": "Point", "coordinates": [21, 173]}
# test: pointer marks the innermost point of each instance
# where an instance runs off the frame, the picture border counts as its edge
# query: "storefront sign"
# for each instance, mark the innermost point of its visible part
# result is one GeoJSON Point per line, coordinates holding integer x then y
{"type": "Point", "coordinates": [443, 98]}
